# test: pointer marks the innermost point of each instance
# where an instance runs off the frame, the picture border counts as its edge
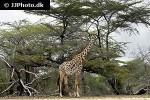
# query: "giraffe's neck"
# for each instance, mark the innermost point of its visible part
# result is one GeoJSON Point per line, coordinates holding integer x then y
{"type": "Point", "coordinates": [83, 54]}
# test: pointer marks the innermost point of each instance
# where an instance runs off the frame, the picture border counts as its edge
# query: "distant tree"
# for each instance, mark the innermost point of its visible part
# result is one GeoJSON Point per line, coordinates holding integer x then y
{"type": "Point", "coordinates": [143, 72]}
{"type": "Point", "coordinates": [108, 16]}
{"type": "Point", "coordinates": [22, 48]}
{"type": "Point", "coordinates": [139, 78]}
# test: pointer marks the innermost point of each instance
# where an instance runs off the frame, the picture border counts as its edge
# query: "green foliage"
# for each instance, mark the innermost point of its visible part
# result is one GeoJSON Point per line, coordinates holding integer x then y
{"type": "Point", "coordinates": [34, 45]}
{"type": "Point", "coordinates": [93, 84]}
{"type": "Point", "coordinates": [100, 78]}
{"type": "Point", "coordinates": [139, 75]}
{"type": "Point", "coordinates": [132, 65]}
{"type": "Point", "coordinates": [92, 63]}
{"type": "Point", "coordinates": [110, 68]}
{"type": "Point", "coordinates": [3, 75]}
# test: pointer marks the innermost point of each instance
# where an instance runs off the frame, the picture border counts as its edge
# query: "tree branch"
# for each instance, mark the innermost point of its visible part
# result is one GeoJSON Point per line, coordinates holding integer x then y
{"type": "Point", "coordinates": [28, 72]}
{"type": "Point", "coordinates": [6, 62]}
{"type": "Point", "coordinates": [25, 87]}
{"type": "Point", "coordinates": [9, 87]}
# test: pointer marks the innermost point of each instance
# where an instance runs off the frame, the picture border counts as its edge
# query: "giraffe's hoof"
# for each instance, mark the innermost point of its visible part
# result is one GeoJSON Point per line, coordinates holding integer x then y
{"type": "Point", "coordinates": [60, 96]}
{"type": "Point", "coordinates": [76, 96]}
{"type": "Point", "coordinates": [70, 95]}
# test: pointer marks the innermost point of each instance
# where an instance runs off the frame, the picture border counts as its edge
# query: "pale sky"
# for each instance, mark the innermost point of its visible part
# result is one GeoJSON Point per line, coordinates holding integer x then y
{"type": "Point", "coordinates": [136, 40]}
{"type": "Point", "coordinates": [15, 15]}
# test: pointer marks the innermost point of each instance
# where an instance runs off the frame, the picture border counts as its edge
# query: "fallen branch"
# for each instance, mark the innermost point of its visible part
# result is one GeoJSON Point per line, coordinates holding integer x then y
{"type": "Point", "coordinates": [13, 69]}
{"type": "Point", "coordinates": [13, 94]}
{"type": "Point", "coordinates": [33, 81]}
{"type": "Point", "coordinates": [8, 87]}
{"type": "Point", "coordinates": [46, 78]}
{"type": "Point", "coordinates": [142, 91]}
{"type": "Point", "coordinates": [25, 87]}
{"type": "Point", "coordinates": [32, 89]}
{"type": "Point", "coordinates": [38, 78]}
{"type": "Point", "coordinates": [6, 83]}
{"type": "Point", "coordinates": [55, 93]}
{"type": "Point", "coordinates": [28, 72]}
{"type": "Point", "coordinates": [6, 63]}
{"type": "Point", "coordinates": [12, 74]}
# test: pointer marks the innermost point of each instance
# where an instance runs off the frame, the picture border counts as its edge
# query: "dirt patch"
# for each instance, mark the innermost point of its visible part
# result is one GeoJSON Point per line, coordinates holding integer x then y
{"type": "Point", "coordinates": [144, 97]}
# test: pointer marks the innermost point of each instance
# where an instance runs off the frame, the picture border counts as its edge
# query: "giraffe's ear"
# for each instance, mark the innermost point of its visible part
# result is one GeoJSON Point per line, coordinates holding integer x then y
{"type": "Point", "coordinates": [92, 35]}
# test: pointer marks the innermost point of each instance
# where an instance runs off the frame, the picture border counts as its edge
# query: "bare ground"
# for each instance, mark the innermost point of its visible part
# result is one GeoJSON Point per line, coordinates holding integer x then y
{"type": "Point", "coordinates": [107, 97]}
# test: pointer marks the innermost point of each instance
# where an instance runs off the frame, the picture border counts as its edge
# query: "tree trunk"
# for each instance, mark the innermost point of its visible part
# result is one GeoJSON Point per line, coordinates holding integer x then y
{"type": "Point", "coordinates": [99, 38]}
{"type": "Point", "coordinates": [128, 89]}
{"type": "Point", "coordinates": [107, 47]}
{"type": "Point", "coordinates": [11, 90]}
{"type": "Point", "coordinates": [20, 88]}
{"type": "Point", "coordinates": [112, 83]}
{"type": "Point", "coordinates": [27, 75]}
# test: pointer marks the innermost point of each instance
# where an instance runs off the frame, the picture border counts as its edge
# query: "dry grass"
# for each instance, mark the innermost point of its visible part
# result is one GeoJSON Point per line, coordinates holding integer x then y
{"type": "Point", "coordinates": [143, 97]}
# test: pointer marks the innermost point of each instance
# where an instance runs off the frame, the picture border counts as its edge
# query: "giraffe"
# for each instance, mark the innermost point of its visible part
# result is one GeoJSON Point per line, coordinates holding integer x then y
{"type": "Point", "coordinates": [73, 67]}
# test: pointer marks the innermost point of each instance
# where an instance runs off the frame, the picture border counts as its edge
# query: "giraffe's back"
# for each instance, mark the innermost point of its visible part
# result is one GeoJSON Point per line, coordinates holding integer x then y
{"type": "Point", "coordinates": [70, 68]}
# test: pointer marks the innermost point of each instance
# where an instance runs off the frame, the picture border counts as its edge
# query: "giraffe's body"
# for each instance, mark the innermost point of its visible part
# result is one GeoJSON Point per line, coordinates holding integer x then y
{"type": "Point", "coordinates": [70, 70]}
{"type": "Point", "coordinates": [73, 67]}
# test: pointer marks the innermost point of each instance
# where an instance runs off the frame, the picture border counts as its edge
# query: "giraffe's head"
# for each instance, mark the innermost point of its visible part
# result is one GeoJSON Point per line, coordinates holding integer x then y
{"type": "Point", "coordinates": [92, 37]}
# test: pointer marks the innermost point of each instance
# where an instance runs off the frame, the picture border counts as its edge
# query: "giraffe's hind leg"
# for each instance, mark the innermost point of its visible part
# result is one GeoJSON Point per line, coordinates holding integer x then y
{"type": "Point", "coordinates": [66, 85]}
{"type": "Point", "coordinates": [76, 87]}
{"type": "Point", "coordinates": [60, 82]}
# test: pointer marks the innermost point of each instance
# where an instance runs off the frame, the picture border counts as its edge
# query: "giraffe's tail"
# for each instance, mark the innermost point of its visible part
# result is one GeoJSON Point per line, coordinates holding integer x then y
{"type": "Point", "coordinates": [58, 84]}
{"type": "Point", "coordinates": [58, 80]}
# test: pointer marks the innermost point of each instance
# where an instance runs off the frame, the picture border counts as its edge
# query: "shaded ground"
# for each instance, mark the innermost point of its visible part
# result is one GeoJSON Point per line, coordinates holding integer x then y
{"type": "Point", "coordinates": [143, 97]}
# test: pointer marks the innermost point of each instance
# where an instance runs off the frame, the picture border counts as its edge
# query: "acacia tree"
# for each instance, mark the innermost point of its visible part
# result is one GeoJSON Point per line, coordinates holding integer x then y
{"type": "Point", "coordinates": [106, 16]}
{"type": "Point", "coordinates": [68, 20]}
{"type": "Point", "coordinates": [109, 16]}
{"type": "Point", "coordinates": [22, 48]}
{"type": "Point", "coordinates": [142, 54]}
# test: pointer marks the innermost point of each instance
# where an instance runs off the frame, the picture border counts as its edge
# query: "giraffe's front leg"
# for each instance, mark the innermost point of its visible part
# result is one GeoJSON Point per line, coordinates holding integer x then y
{"type": "Point", "coordinates": [66, 85]}
{"type": "Point", "coordinates": [76, 88]}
